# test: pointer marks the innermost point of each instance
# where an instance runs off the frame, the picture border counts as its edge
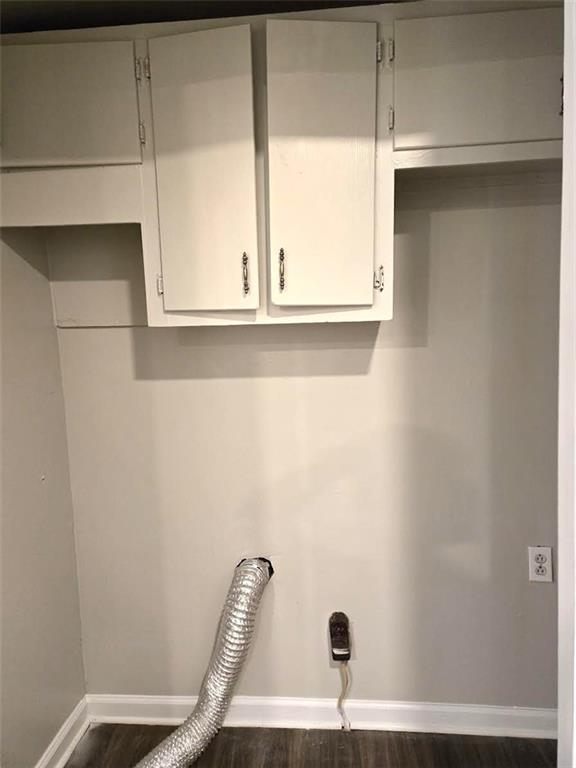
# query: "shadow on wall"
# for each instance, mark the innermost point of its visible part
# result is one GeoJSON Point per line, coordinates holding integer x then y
{"type": "Point", "coordinates": [97, 275]}
{"type": "Point", "coordinates": [308, 349]}
{"type": "Point", "coordinates": [17, 240]}
{"type": "Point", "coordinates": [316, 349]}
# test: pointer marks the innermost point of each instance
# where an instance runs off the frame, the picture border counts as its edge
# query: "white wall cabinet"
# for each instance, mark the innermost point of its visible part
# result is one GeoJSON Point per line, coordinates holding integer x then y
{"type": "Point", "coordinates": [263, 178]}
{"type": "Point", "coordinates": [478, 79]}
{"type": "Point", "coordinates": [69, 104]}
{"type": "Point", "coordinates": [173, 135]}
{"type": "Point", "coordinates": [328, 205]}
{"type": "Point", "coordinates": [321, 155]}
{"type": "Point", "coordinates": [203, 117]}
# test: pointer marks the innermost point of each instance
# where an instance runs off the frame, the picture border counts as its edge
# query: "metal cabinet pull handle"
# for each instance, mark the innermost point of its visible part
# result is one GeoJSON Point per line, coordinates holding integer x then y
{"type": "Point", "coordinates": [281, 269]}
{"type": "Point", "coordinates": [245, 280]}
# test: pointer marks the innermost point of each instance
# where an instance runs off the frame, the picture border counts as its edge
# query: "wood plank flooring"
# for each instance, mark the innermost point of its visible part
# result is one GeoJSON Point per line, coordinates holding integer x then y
{"type": "Point", "coordinates": [121, 746]}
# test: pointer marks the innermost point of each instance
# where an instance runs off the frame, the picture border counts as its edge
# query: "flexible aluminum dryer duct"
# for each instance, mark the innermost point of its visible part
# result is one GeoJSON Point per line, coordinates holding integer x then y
{"type": "Point", "coordinates": [186, 744]}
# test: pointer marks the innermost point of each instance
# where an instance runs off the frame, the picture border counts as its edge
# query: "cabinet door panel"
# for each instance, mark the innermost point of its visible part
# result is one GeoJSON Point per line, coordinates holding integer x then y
{"type": "Point", "coordinates": [322, 123]}
{"type": "Point", "coordinates": [69, 104]}
{"type": "Point", "coordinates": [205, 164]}
{"type": "Point", "coordinates": [478, 79]}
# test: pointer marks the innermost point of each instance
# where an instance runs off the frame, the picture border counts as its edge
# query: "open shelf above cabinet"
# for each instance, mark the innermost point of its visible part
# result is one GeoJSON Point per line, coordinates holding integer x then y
{"type": "Point", "coordinates": [486, 158]}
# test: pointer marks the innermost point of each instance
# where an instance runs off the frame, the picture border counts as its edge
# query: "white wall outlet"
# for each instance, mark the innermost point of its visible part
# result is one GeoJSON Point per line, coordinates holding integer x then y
{"type": "Point", "coordinates": [540, 564]}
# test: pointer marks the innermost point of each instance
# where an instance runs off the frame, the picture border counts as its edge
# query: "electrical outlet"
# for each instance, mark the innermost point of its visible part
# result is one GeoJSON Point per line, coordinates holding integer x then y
{"type": "Point", "coordinates": [540, 564]}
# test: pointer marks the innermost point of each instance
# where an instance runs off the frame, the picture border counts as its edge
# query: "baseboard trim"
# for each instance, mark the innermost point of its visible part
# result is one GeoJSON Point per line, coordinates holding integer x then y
{"type": "Point", "coordinates": [62, 745]}
{"type": "Point", "coordinates": [277, 712]}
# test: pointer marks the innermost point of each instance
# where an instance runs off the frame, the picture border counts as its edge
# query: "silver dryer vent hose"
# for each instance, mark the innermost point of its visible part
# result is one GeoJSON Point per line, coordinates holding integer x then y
{"type": "Point", "coordinates": [186, 744]}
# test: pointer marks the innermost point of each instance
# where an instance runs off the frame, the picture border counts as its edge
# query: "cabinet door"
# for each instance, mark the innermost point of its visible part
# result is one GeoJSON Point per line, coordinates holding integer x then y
{"type": "Point", "coordinates": [321, 123]}
{"type": "Point", "coordinates": [205, 165]}
{"type": "Point", "coordinates": [69, 104]}
{"type": "Point", "coordinates": [478, 79]}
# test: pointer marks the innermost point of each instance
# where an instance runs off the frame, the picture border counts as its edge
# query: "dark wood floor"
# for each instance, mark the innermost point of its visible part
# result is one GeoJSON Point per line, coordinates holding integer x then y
{"type": "Point", "coordinates": [121, 746]}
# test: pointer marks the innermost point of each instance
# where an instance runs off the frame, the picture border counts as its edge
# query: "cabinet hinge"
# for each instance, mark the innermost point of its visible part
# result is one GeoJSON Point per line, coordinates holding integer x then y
{"type": "Point", "coordinates": [142, 132]}
{"type": "Point", "coordinates": [391, 118]}
{"type": "Point", "coordinates": [160, 285]}
{"type": "Point", "coordinates": [142, 68]}
{"type": "Point", "coordinates": [389, 50]}
{"type": "Point", "coordinates": [385, 51]}
{"type": "Point", "coordinates": [379, 278]}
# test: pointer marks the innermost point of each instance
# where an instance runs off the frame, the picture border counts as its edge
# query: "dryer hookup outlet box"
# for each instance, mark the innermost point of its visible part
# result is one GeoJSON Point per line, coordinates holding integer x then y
{"type": "Point", "coordinates": [339, 627]}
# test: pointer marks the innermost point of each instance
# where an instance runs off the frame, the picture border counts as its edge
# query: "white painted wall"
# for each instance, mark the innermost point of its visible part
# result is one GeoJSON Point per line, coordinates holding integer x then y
{"type": "Point", "coordinates": [42, 678]}
{"type": "Point", "coordinates": [397, 472]}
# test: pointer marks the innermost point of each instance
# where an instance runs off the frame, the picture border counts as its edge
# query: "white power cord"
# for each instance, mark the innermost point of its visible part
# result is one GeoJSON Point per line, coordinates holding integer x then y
{"type": "Point", "coordinates": [345, 677]}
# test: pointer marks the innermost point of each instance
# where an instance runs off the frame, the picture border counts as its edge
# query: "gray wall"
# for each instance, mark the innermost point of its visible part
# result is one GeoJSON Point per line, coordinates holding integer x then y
{"type": "Point", "coordinates": [397, 472]}
{"type": "Point", "coordinates": [41, 665]}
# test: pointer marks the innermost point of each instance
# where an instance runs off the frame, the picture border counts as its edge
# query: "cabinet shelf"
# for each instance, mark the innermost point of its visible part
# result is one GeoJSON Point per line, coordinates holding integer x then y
{"type": "Point", "coordinates": [485, 158]}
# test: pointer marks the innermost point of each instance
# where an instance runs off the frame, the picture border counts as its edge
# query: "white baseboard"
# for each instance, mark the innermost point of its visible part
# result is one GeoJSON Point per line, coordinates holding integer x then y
{"type": "Point", "coordinates": [276, 712]}
{"type": "Point", "coordinates": [62, 745]}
